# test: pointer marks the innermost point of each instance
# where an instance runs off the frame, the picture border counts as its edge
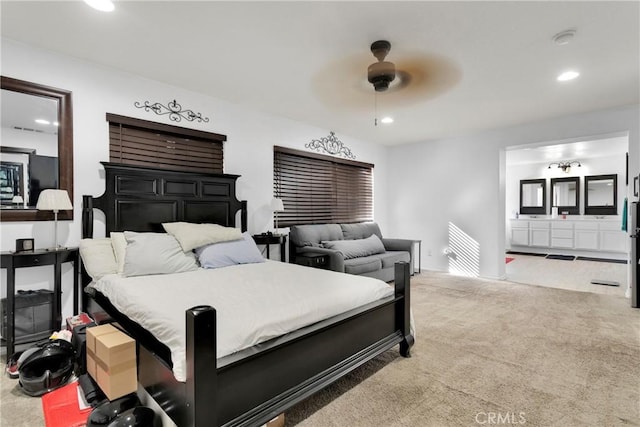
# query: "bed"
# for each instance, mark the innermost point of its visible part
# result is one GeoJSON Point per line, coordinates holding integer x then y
{"type": "Point", "coordinates": [253, 385]}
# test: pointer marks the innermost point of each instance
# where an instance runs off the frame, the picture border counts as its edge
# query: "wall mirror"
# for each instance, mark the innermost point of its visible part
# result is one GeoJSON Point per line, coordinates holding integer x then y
{"type": "Point", "coordinates": [565, 195]}
{"type": "Point", "coordinates": [600, 195]}
{"type": "Point", "coordinates": [37, 148]}
{"type": "Point", "coordinates": [533, 196]}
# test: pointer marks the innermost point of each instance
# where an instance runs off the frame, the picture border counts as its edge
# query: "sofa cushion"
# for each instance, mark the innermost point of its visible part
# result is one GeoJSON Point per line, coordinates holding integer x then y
{"type": "Point", "coordinates": [363, 264]}
{"type": "Point", "coordinates": [360, 230]}
{"type": "Point", "coordinates": [389, 258]}
{"type": "Point", "coordinates": [356, 248]}
{"type": "Point", "coordinates": [313, 234]}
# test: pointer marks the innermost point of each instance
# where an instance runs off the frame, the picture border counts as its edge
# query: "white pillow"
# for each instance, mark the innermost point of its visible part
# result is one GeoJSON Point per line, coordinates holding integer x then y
{"type": "Point", "coordinates": [119, 244]}
{"type": "Point", "coordinates": [98, 257]}
{"type": "Point", "coordinates": [155, 253]}
{"type": "Point", "coordinates": [243, 251]}
{"type": "Point", "coordinates": [193, 236]}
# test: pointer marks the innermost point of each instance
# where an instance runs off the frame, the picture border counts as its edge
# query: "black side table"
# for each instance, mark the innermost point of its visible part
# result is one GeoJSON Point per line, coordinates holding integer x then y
{"type": "Point", "coordinates": [313, 259]}
{"type": "Point", "coordinates": [38, 257]}
{"type": "Point", "coordinates": [273, 239]}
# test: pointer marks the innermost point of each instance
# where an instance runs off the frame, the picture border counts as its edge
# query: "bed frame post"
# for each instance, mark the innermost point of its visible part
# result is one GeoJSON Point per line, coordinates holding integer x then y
{"type": "Point", "coordinates": [87, 217]}
{"type": "Point", "coordinates": [202, 382]}
{"type": "Point", "coordinates": [243, 216]}
{"type": "Point", "coordinates": [403, 313]}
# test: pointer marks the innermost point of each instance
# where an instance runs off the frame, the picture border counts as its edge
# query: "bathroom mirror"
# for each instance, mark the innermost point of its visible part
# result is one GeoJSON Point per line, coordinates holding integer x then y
{"type": "Point", "coordinates": [533, 197]}
{"type": "Point", "coordinates": [600, 195]}
{"type": "Point", "coordinates": [565, 195]}
{"type": "Point", "coordinates": [37, 148]}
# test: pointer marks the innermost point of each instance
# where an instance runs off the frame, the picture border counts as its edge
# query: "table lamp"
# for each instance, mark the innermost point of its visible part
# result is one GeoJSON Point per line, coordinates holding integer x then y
{"type": "Point", "coordinates": [54, 200]}
{"type": "Point", "coordinates": [277, 206]}
{"type": "Point", "coordinates": [17, 200]}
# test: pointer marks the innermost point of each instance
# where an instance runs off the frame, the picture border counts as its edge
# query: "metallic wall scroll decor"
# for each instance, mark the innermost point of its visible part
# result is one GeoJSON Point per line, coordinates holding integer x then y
{"type": "Point", "coordinates": [173, 109]}
{"type": "Point", "coordinates": [332, 145]}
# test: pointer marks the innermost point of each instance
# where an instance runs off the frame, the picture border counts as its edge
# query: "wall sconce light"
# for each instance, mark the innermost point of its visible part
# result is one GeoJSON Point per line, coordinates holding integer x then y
{"type": "Point", "coordinates": [565, 166]}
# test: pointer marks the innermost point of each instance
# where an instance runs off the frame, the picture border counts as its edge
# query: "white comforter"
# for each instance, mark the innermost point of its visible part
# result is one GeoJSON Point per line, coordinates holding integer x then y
{"type": "Point", "coordinates": [253, 302]}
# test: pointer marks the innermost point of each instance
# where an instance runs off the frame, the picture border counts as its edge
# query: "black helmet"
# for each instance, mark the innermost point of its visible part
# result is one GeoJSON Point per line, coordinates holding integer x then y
{"type": "Point", "coordinates": [140, 416]}
{"type": "Point", "coordinates": [107, 411]}
{"type": "Point", "coordinates": [46, 368]}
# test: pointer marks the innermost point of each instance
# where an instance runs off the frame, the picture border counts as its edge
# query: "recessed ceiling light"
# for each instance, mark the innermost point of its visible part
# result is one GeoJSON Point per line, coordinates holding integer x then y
{"type": "Point", "coordinates": [101, 5]}
{"type": "Point", "coordinates": [56, 124]}
{"type": "Point", "coordinates": [43, 121]}
{"type": "Point", "coordinates": [386, 120]}
{"type": "Point", "coordinates": [568, 75]}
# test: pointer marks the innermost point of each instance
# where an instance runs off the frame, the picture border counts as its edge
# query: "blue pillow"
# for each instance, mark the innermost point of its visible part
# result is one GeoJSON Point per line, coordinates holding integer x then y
{"type": "Point", "coordinates": [223, 254]}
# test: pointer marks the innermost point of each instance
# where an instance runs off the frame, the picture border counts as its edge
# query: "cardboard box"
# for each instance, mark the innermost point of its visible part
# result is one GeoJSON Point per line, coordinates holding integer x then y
{"type": "Point", "coordinates": [111, 360]}
{"type": "Point", "coordinates": [92, 334]}
{"type": "Point", "coordinates": [276, 422]}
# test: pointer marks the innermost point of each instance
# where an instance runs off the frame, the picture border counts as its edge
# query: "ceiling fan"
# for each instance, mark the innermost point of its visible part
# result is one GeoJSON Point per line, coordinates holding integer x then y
{"type": "Point", "coordinates": [413, 76]}
{"type": "Point", "coordinates": [381, 73]}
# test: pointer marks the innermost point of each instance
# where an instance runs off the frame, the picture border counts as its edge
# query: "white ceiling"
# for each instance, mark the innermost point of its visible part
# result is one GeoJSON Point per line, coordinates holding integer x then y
{"type": "Point", "coordinates": [25, 110]}
{"type": "Point", "coordinates": [570, 151]}
{"type": "Point", "coordinates": [485, 64]}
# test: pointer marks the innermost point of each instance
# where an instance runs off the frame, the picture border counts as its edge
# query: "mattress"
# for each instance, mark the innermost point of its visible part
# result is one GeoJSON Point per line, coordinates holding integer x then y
{"type": "Point", "coordinates": [253, 302]}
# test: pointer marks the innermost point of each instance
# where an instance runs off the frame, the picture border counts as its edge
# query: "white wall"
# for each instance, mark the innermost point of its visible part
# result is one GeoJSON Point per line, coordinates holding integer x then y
{"type": "Point", "coordinates": [462, 181]}
{"type": "Point", "coordinates": [98, 90]}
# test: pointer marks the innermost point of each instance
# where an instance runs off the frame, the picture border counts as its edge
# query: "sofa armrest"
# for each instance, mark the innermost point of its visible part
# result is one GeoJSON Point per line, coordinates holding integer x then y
{"type": "Point", "coordinates": [398, 245]}
{"type": "Point", "coordinates": [401, 245]}
{"type": "Point", "coordinates": [336, 259]}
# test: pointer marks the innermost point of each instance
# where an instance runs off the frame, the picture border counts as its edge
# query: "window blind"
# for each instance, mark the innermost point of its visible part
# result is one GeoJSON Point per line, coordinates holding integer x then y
{"type": "Point", "coordinates": [143, 143]}
{"type": "Point", "coordinates": [318, 189]}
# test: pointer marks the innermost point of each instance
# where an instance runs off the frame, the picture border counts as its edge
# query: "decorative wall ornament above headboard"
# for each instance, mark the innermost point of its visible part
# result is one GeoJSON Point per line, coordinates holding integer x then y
{"type": "Point", "coordinates": [332, 145]}
{"type": "Point", "coordinates": [173, 109]}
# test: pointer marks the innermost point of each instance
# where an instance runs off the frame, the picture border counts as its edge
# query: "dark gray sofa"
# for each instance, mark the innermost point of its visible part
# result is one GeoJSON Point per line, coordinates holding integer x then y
{"type": "Point", "coordinates": [352, 248]}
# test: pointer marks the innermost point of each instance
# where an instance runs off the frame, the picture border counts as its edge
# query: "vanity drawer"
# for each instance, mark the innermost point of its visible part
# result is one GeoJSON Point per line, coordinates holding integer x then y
{"type": "Point", "coordinates": [540, 225]}
{"type": "Point", "coordinates": [519, 224]}
{"type": "Point", "coordinates": [562, 225]}
{"type": "Point", "coordinates": [562, 233]}
{"type": "Point", "coordinates": [611, 225]}
{"type": "Point", "coordinates": [586, 225]}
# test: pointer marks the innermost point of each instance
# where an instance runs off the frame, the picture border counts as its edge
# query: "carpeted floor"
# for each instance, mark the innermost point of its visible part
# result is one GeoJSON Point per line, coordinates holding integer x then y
{"type": "Point", "coordinates": [486, 350]}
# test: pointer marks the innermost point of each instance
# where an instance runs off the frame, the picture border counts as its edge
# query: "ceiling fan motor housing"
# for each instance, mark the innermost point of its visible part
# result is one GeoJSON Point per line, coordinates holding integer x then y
{"type": "Point", "coordinates": [381, 73]}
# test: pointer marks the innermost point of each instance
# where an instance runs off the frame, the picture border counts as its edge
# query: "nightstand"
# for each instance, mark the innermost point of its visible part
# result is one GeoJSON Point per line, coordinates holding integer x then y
{"type": "Point", "coordinates": [313, 259]}
{"type": "Point", "coordinates": [38, 257]}
{"type": "Point", "coordinates": [273, 239]}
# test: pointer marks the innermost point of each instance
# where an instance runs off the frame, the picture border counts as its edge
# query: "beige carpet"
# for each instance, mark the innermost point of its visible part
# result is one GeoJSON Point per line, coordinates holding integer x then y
{"type": "Point", "coordinates": [485, 350]}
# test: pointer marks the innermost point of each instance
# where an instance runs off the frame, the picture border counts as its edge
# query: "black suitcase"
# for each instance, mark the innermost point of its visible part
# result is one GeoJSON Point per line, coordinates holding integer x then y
{"type": "Point", "coordinates": [32, 314]}
{"type": "Point", "coordinates": [79, 342]}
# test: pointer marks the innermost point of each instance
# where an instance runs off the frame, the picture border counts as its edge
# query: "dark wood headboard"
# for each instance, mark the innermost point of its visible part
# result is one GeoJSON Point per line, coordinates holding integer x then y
{"type": "Point", "coordinates": [140, 199]}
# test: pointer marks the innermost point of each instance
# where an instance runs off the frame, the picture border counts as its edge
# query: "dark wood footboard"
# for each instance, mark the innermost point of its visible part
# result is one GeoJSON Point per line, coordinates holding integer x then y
{"type": "Point", "coordinates": [252, 386]}
{"type": "Point", "coordinates": [258, 384]}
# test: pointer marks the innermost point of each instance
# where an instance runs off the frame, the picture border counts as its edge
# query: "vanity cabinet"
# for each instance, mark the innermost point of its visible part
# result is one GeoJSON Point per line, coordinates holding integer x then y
{"type": "Point", "coordinates": [586, 235]}
{"type": "Point", "coordinates": [520, 233]}
{"type": "Point", "coordinates": [539, 233]}
{"type": "Point", "coordinates": [571, 234]}
{"type": "Point", "coordinates": [612, 238]}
